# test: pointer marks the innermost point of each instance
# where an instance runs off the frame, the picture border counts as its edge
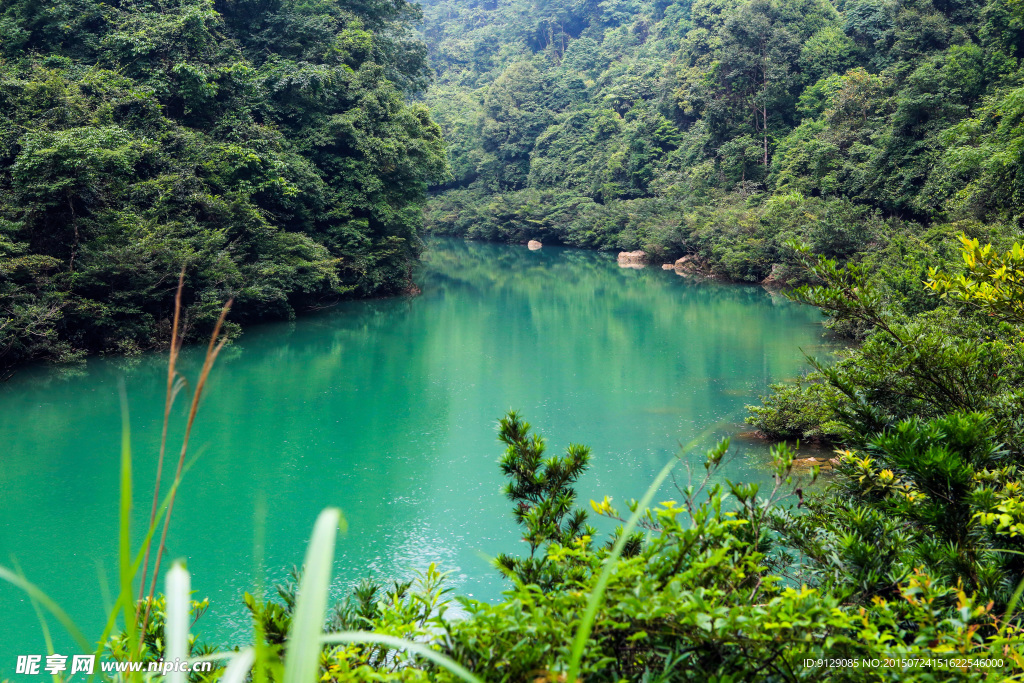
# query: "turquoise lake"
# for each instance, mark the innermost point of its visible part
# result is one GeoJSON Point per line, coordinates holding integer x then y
{"type": "Point", "coordinates": [387, 409]}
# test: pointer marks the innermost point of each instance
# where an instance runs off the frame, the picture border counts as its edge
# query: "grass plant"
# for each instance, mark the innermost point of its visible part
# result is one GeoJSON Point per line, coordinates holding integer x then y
{"type": "Point", "coordinates": [303, 655]}
{"type": "Point", "coordinates": [174, 384]}
{"type": "Point", "coordinates": [212, 351]}
{"type": "Point", "coordinates": [135, 613]}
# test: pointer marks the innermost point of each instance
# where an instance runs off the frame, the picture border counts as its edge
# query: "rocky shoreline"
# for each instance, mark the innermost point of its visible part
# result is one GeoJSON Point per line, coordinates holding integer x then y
{"type": "Point", "coordinates": [691, 264]}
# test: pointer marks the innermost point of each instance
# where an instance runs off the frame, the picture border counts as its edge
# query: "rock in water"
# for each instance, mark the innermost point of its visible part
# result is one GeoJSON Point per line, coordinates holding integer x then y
{"type": "Point", "coordinates": [668, 266]}
{"type": "Point", "coordinates": [534, 245]}
{"type": "Point", "coordinates": [632, 259]}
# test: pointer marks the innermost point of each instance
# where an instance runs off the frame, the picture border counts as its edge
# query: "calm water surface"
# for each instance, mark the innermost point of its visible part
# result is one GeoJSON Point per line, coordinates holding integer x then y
{"type": "Point", "coordinates": [387, 409]}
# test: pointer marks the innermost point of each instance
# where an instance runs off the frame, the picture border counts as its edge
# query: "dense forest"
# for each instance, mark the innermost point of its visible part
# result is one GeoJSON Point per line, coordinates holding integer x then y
{"type": "Point", "coordinates": [723, 128]}
{"type": "Point", "coordinates": [867, 153]}
{"type": "Point", "coordinates": [267, 148]}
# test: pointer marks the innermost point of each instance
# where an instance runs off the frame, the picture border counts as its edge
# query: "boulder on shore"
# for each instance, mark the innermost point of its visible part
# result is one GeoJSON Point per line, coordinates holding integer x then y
{"type": "Point", "coordinates": [807, 463]}
{"type": "Point", "coordinates": [774, 278]}
{"type": "Point", "coordinates": [687, 265]}
{"type": "Point", "coordinates": [632, 259]}
{"type": "Point", "coordinates": [534, 245]}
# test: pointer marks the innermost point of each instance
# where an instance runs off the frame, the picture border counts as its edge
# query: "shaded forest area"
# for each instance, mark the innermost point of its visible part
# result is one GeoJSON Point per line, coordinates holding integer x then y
{"type": "Point", "coordinates": [265, 146]}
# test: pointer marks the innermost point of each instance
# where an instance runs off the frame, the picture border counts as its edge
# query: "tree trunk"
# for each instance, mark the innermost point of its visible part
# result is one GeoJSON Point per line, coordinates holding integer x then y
{"type": "Point", "coordinates": [765, 131]}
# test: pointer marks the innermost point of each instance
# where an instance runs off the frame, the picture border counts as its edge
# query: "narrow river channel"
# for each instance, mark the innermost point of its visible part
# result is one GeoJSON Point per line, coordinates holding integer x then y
{"type": "Point", "coordinates": [387, 409]}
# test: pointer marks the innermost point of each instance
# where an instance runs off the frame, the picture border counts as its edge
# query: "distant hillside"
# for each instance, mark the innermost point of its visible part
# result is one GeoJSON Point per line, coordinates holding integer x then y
{"type": "Point", "coordinates": [723, 128]}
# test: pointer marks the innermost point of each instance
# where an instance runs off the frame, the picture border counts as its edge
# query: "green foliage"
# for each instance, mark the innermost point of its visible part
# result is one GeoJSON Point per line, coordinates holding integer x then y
{"type": "Point", "coordinates": [992, 282]}
{"type": "Point", "coordinates": [680, 128]}
{"type": "Point", "coordinates": [154, 642]}
{"type": "Point", "coordinates": [404, 612]}
{"type": "Point", "coordinates": [707, 592]}
{"type": "Point", "coordinates": [909, 500]}
{"type": "Point", "coordinates": [266, 147]}
{"type": "Point", "coordinates": [929, 404]}
{"type": "Point", "coordinates": [543, 493]}
{"type": "Point", "coordinates": [911, 364]}
{"type": "Point", "coordinates": [807, 409]}
{"type": "Point", "coordinates": [710, 589]}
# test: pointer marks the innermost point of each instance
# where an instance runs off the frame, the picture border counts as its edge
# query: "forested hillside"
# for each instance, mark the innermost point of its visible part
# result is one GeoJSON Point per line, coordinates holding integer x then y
{"type": "Point", "coordinates": [265, 146]}
{"type": "Point", "coordinates": [724, 128]}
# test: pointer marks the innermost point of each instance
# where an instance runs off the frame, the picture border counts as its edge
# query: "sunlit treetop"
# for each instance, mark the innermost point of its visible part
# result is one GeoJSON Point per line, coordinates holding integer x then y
{"type": "Point", "coordinates": [991, 281]}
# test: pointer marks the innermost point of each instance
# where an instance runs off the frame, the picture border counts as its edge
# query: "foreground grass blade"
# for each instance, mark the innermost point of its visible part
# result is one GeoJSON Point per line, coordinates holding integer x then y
{"type": "Point", "coordinates": [39, 615]}
{"type": "Point", "coordinates": [238, 668]}
{"type": "Point", "coordinates": [212, 350]}
{"type": "Point", "coordinates": [124, 556]}
{"type": "Point", "coordinates": [53, 608]}
{"type": "Point", "coordinates": [49, 605]}
{"type": "Point", "coordinates": [178, 588]}
{"type": "Point", "coordinates": [436, 657]}
{"type": "Point", "coordinates": [594, 601]}
{"type": "Point", "coordinates": [174, 383]}
{"type": "Point", "coordinates": [122, 597]}
{"type": "Point", "coordinates": [302, 659]}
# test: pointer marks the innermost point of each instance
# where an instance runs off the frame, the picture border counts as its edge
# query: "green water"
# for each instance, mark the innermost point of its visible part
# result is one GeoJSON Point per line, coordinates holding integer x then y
{"type": "Point", "coordinates": [387, 409]}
